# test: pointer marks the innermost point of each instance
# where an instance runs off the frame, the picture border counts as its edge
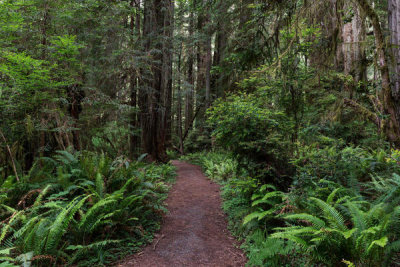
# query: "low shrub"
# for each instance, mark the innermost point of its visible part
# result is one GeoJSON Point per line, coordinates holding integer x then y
{"type": "Point", "coordinates": [255, 134]}
{"type": "Point", "coordinates": [82, 208]}
{"type": "Point", "coordinates": [342, 209]}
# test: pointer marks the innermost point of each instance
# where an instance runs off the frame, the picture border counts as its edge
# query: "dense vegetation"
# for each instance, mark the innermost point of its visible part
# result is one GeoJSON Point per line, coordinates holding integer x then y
{"type": "Point", "coordinates": [81, 208]}
{"type": "Point", "coordinates": [329, 215]}
{"type": "Point", "coordinates": [299, 102]}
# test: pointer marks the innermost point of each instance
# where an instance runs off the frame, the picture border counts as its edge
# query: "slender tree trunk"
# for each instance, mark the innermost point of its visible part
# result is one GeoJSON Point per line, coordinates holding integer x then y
{"type": "Point", "coordinates": [75, 95]}
{"type": "Point", "coordinates": [167, 67]}
{"type": "Point", "coordinates": [135, 30]}
{"type": "Point", "coordinates": [45, 21]}
{"type": "Point", "coordinates": [218, 80]}
{"type": "Point", "coordinates": [190, 72]}
{"type": "Point", "coordinates": [11, 155]}
{"type": "Point", "coordinates": [201, 59]}
{"type": "Point", "coordinates": [394, 67]}
{"type": "Point", "coordinates": [208, 72]}
{"type": "Point", "coordinates": [179, 98]}
{"type": "Point", "coordinates": [204, 58]}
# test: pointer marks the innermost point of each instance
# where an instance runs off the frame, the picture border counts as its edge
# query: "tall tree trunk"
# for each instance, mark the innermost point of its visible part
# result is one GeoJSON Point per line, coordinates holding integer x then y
{"type": "Point", "coordinates": [179, 97]}
{"type": "Point", "coordinates": [353, 37]}
{"type": "Point", "coordinates": [135, 31]}
{"type": "Point", "coordinates": [204, 57]}
{"type": "Point", "coordinates": [167, 67]}
{"type": "Point", "coordinates": [390, 107]}
{"type": "Point", "coordinates": [219, 79]}
{"type": "Point", "coordinates": [75, 95]}
{"type": "Point", "coordinates": [201, 60]}
{"type": "Point", "coordinates": [208, 72]}
{"type": "Point", "coordinates": [190, 72]}
{"type": "Point", "coordinates": [151, 104]}
{"type": "Point", "coordinates": [394, 67]}
{"type": "Point", "coordinates": [45, 21]}
{"type": "Point", "coordinates": [337, 21]}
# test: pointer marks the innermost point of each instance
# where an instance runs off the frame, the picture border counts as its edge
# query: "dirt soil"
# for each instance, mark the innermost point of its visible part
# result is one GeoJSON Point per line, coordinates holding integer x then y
{"type": "Point", "coordinates": [194, 232]}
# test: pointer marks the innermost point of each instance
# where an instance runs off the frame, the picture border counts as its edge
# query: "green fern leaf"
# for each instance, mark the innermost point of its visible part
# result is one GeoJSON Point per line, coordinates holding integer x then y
{"type": "Point", "coordinates": [295, 239]}
{"type": "Point", "coordinates": [250, 217]}
{"type": "Point", "coordinates": [330, 213]}
{"type": "Point", "coordinates": [358, 217]}
{"type": "Point", "coordinates": [61, 223]}
{"type": "Point", "coordinates": [307, 217]}
{"type": "Point", "coordinates": [41, 195]}
{"type": "Point", "coordinates": [349, 233]}
{"type": "Point", "coordinates": [380, 242]}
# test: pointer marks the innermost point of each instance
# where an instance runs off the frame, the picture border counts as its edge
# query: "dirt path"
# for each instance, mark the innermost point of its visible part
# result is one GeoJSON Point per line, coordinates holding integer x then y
{"type": "Point", "coordinates": [194, 232]}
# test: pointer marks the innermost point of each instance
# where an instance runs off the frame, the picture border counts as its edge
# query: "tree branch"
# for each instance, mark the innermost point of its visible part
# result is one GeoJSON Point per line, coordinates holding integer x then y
{"type": "Point", "coordinates": [11, 156]}
{"type": "Point", "coordinates": [373, 117]}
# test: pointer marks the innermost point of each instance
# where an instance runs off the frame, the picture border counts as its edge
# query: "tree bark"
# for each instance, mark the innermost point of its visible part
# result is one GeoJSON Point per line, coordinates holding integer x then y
{"type": "Point", "coordinates": [179, 97]}
{"type": "Point", "coordinates": [134, 123]}
{"type": "Point", "coordinates": [44, 26]}
{"type": "Point", "coordinates": [75, 95]}
{"type": "Point", "coordinates": [152, 99]}
{"type": "Point", "coordinates": [218, 80]}
{"type": "Point", "coordinates": [168, 28]}
{"type": "Point", "coordinates": [190, 72]}
{"type": "Point", "coordinates": [390, 107]}
{"type": "Point", "coordinates": [204, 57]}
{"type": "Point", "coordinates": [394, 67]}
{"type": "Point", "coordinates": [201, 58]}
{"type": "Point", "coordinates": [354, 57]}
{"type": "Point", "coordinates": [208, 72]}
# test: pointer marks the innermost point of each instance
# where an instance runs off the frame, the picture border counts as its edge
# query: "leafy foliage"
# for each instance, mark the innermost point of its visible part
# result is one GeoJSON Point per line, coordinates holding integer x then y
{"type": "Point", "coordinates": [253, 132]}
{"type": "Point", "coordinates": [329, 221]}
{"type": "Point", "coordinates": [343, 229]}
{"type": "Point", "coordinates": [82, 204]}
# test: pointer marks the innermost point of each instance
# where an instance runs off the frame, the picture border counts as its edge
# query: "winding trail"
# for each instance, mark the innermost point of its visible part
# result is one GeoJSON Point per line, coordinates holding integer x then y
{"type": "Point", "coordinates": [194, 232]}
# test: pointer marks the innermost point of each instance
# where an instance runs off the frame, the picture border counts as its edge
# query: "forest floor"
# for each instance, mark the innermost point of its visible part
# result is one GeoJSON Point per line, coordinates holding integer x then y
{"type": "Point", "coordinates": [194, 232]}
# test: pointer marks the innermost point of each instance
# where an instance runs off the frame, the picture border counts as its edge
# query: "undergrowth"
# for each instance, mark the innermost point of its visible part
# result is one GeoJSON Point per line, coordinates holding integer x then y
{"type": "Point", "coordinates": [82, 209]}
{"type": "Point", "coordinates": [342, 208]}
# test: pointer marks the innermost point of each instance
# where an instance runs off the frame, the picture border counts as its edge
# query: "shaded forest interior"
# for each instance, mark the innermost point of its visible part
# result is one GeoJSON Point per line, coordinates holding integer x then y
{"type": "Point", "coordinates": [146, 71]}
{"type": "Point", "coordinates": [97, 96]}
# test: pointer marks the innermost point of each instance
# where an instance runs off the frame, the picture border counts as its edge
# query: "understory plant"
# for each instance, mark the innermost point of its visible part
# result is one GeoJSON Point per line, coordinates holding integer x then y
{"type": "Point", "coordinates": [341, 210]}
{"type": "Point", "coordinates": [340, 229]}
{"type": "Point", "coordinates": [82, 208]}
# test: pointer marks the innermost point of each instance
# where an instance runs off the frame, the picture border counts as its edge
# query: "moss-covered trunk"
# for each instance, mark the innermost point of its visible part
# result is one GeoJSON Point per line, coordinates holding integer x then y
{"type": "Point", "coordinates": [390, 107]}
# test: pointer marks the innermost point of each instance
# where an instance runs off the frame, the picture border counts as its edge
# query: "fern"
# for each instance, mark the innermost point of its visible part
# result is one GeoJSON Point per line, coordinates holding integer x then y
{"type": "Point", "coordinates": [382, 242]}
{"type": "Point", "coordinates": [266, 251]}
{"type": "Point", "coordinates": [334, 217]}
{"type": "Point", "coordinates": [332, 195]}
{"type": "Point", "coordinates": [90, 218]}
{"type": "Point", "coordinates": [93, 245]}
{"type": "Point", "coordinates": [292, 237]}
{"type": "Point", "coordinates": [73, 204]}
{"type": "Point", "coordinates": [316, 222]}
{"type": "Point", "coordinates": [29, 225]}
{"type": "Point", "coordinates": [61, 223]}
{"type": "Point", "coordinates": [358, 216]}
{"type": "Point", "coordinates": [33, 240]}
{"type": "Point", "coordinates": [65, 157]}
{"type": "Point", "coordinates": [366, 239]}
{"type": "Point", "coordinates": [41, 195]}
{"type": "Point", "coordinates": [7, 227]}
{"type": "Point", "coordinates": [99, 185]}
